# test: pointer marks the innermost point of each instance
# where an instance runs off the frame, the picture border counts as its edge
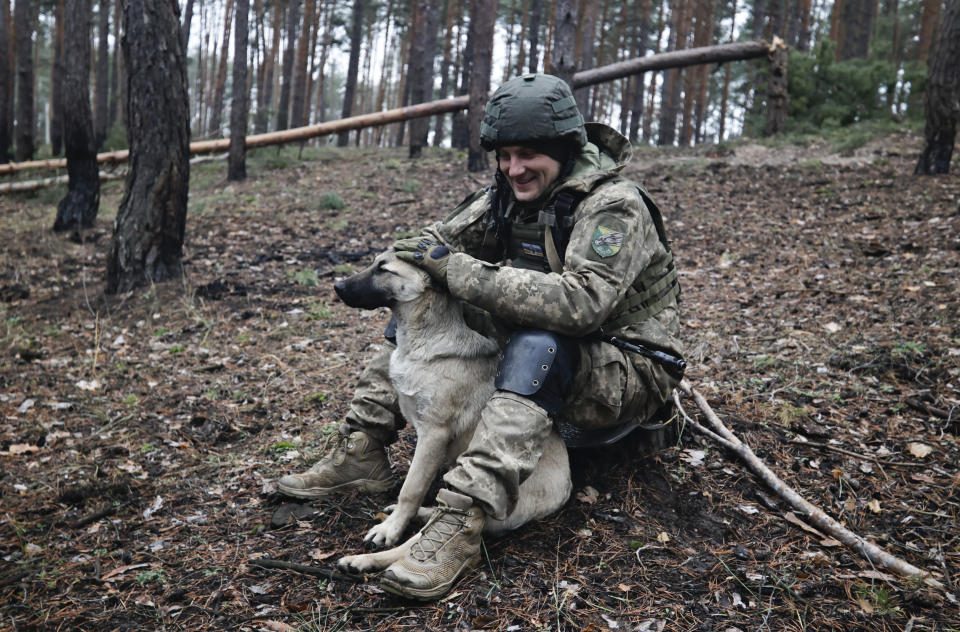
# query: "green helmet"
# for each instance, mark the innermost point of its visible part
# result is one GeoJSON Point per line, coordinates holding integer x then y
{"type": "Point", "coordinates": [530, 110]}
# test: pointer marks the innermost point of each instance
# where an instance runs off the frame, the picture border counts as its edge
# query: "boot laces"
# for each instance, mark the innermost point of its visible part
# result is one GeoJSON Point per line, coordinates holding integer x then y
{"type": "Point", "coordinates": [445, 523]}
{"type": "Point", "coordinates": [336, 455]}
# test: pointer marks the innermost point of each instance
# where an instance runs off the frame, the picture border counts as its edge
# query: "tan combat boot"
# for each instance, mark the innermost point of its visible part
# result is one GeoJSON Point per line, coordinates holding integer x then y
{"type": "Point", "coordinates": [448, 545]}
{"type": "Point", "coordinates": [357, 461]}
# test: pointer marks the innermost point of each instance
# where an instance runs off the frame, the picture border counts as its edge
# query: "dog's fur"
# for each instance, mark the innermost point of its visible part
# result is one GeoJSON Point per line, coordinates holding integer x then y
{"type": "Point", "coordinates": [443, 374]}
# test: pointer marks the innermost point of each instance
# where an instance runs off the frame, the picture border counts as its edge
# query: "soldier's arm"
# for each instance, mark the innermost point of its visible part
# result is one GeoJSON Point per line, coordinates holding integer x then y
{"type": "Point", "coordinates": [613, 240]}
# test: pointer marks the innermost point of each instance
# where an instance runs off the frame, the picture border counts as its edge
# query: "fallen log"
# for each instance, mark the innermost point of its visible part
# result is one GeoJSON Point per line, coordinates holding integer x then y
{"type": "Point", "coordinates": [721, 434]}
{"type": "Point", "coordinates": [719, 53]}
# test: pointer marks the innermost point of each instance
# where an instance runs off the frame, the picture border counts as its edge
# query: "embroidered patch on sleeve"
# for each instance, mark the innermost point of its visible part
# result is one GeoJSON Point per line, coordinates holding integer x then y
{"type": "Point", "coordinates": [607, 241]}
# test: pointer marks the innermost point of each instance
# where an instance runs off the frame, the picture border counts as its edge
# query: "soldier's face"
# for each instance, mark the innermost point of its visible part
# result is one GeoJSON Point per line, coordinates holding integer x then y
{"type": "Point", "coordinates": [528, 171]}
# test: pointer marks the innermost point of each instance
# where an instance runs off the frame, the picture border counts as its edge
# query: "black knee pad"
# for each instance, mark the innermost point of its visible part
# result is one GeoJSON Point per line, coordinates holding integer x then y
{"type": "Point", "coordinates": [540, 365]}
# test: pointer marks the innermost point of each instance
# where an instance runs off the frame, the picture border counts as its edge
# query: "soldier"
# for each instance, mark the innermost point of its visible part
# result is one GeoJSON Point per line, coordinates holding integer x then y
{"type": "Point", "coordinates": [560, 247]}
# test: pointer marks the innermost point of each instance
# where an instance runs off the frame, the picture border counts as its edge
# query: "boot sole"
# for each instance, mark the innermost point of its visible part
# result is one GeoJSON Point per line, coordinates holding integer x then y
{"type": "Point", "coordinates": [428, 594]}
{"type": "Point", "coordinates": [365, 485]}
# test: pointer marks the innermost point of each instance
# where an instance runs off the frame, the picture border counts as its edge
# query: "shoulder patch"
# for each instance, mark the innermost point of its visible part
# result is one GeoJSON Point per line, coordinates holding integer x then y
{"type": "Point", "coordinates": [607, 241]}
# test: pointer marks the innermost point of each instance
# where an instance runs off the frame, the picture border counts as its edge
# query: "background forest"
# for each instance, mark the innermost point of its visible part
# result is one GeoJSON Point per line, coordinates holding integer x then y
{"type": "Point", "coordinates": [851, 62]}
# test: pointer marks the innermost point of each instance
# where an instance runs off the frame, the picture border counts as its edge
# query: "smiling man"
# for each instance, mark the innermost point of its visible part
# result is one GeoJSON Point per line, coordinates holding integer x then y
{"type": "Point", "coordinates": [560, 248]}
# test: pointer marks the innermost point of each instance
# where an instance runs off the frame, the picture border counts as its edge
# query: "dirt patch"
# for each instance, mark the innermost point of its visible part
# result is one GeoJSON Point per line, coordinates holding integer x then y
{"type": "Point", "coordinates": [142, 434]}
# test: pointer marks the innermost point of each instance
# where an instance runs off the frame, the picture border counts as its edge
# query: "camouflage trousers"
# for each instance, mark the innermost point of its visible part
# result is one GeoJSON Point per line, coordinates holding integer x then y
{"type": "Point", "coordinates": [611, 387]}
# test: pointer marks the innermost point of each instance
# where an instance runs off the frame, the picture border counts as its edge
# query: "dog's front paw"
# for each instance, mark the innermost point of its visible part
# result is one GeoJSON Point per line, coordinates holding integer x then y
{"type": "Point", "coordinates": [357, 564]}
{"type": "Point", "coordinates": [387, 533]}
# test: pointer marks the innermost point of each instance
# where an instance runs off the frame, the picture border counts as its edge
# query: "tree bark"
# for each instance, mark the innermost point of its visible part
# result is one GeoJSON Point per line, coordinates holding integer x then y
{"type": "Point", "coordinates": [187, 22]}
{"type": "Point", "coordinates": [460, 132]}
{"type": "Point", "coordinates": [6, 84]}
{"type": "Point", "coordinates": [299, 99]}
{"type": "Point", "coordinates": [56, 85]}
{"type": "Point", "coordinates": [353, 66]}
{"type": "Point", "coordinates": [928, 24]}
{"type": "Point", "coordinates": [534, 60]}
{"type": "Point", "coordinates": [586, 40]}
{"type": "Point", "coordinates": [265, 94]}
{"type": "Point", "coordinates": [115, 110]}
{"type": "Point", "coordinates": [670, 94]}
{"type": "Point", "coordinates": [482, 21]}
{"type": "Point", "coordinates": [23, 49]}
{"type": "Point", "coordinates": [240, 104]}
{"type": "Point", "coordinates": [286, 77]}
{"type": "Point", "coordinates": [217, 94]}
{"type": "Point", "coordinates": [563, 51]}
{"type": "Point", "coordinates": [423, 84]}
{"type": "Point", "coordinates": [78, 209]}
{"type": "Point", "coordinates": [103, 76]}
{"type": "Point", "coordinates": [942, 95]}
{"type": "Point", "coordinates": [777, 93]}
{"type": "Point", "coordinates": [640, 49]}
{"type": "Point", "coordinates": [148, 234]}
{"type": "Point", "coordinates": [452, 6]}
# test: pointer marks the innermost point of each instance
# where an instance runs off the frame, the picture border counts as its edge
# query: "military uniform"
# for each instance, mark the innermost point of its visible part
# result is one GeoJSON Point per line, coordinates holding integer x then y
{"type": "Point", "coordinates": [600, 275]}
{"type": "Point", "coordinates": [560, 249]}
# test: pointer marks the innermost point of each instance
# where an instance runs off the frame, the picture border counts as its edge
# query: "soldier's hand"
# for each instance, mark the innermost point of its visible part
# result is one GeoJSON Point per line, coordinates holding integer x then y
{"type": "Point", "coordinates": [425, 254]}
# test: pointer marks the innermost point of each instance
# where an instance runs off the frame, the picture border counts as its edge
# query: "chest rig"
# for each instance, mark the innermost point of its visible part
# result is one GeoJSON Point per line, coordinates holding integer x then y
{"type": "Point", "coordinates": [541, 243]}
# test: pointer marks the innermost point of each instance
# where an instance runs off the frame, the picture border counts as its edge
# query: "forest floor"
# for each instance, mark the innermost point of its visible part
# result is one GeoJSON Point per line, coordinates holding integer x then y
{"type": "Point", "coordinates": [142, 434]}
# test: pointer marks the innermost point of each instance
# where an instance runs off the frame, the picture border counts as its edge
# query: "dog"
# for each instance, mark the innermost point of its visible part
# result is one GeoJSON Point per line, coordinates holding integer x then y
{"type": "Point", "coordinates": [443, 372]}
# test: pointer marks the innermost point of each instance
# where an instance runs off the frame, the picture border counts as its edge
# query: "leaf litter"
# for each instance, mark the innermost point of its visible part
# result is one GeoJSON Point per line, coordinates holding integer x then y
{"type": "Point", "coordinates": [820, 310]}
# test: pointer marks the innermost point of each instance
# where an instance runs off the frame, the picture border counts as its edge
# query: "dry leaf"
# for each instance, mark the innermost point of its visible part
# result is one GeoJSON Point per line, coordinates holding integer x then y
{"type": "Point", "coordinates": [278, 626]}
{"type": "Point", "coordinates": [792, 519]}
{"type": "Point", "coordinates": [663, 538]}
{"type": "Point", "coordinates": [21, 448]}
{"type": "Point", "coordinates": [832, 327]}
{"type": "Point", "coordinates": [319, 555]}
{"type": "Point", "coordinates": [919, 450]}
{"type": "Point", "coordinates": [874, 506]}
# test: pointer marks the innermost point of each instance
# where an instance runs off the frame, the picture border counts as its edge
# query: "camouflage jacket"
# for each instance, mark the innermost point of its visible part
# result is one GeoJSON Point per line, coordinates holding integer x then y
{"type": "Point", "coordinates": [596, 279]}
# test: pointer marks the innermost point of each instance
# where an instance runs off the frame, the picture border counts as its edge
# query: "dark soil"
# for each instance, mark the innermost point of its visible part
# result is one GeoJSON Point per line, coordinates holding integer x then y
{"type": "Point", "coordinates": [142, 434]}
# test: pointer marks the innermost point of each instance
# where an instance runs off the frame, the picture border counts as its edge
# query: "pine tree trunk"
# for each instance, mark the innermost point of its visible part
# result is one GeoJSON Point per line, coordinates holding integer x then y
{"type": "Point", "coordinates": [725, 95]}
{"type": "Point", "coordinates": [299, 96]}
{"type": "Point", "coordinates": [592, 112]}
{"type": "Point", "coordinates": [324, 52]}
{"type": "Point", "coordinates": [265, 94]}
{"type": "Point", "coordinates": [535, 11]}
{"type": "Point", "coordinates": [482, 21]}
{"type": "Point", "coordinates": [103, 77]}
{"type": "Point", "coordinates": [115, 110]}
{"type": "Point", "coordinates": [521, 40]}
{"type": "Point", "coordinates": [187, 23]}
{"type": "Point", "coordinates": [6, 84]}
{"type": "Point", "coordinates": [460, 133]}
{"type": "Point", "coordinates": [928, 23]}
{"type": "Point", "coordinates": [424, 76]}
{"type": "Point", "coordinates": [314, 40]}
{"type": "Point", "coordinates": [353, 67]}
{"type": "Point", "coordinates": [640, 49]}
{"type": "Point", "coordinates": [670, 95]}
{"type": "Point", "coordinates": [240, 104]}
{"type": "Point", "coordinates": [586, 40]}
{"type": "Point", "coordinates": [23, 31]}
{"type": "Point", "coordinates": [286, 79]}
{"type": "Point", "coordinates": [439, 121]}
{"type": "Point", "coordinates": [56, 84]}
{"type": "Point", "coordinates": [943, 93]}
{"type": "Point", "coordinates": [652, 92]}
{"type": "Point", "coordinates": [563, 50]}
{"type": "Point", "coordinates": [148, 233]}
{"type": "Point", "coordinates": [216, 102]}
{"type": "Point", "coordinates": [78, 209]}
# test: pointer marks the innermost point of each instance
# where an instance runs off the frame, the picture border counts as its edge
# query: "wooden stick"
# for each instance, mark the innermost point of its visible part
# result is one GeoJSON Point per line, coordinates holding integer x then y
{"type": "Point", "coordinates": [673, 59]}
{"type": "Point", "coordinates": [870, 551]}
{"type": "Point", "coordinates": [303, 568]}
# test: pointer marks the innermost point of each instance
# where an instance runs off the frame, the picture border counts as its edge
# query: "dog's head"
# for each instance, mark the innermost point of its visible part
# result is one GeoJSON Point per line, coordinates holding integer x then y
{"type": "Point", "coordinates": [386, 282]}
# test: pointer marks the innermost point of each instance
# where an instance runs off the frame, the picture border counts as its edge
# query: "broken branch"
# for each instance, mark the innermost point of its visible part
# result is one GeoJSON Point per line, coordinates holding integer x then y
{"type": "Point", "coordinates": [818, 517]}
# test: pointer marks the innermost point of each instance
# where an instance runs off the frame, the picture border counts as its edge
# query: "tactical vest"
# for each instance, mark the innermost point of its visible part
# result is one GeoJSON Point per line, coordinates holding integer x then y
{"type": "Point", "coordinates": [650, 293]}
